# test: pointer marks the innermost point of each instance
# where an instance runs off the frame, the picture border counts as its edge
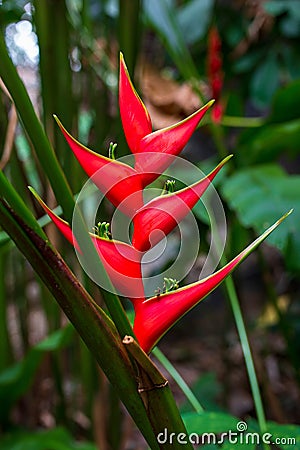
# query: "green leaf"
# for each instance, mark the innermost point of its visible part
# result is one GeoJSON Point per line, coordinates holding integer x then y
{"type": "Point", "coordinates": [16, 380]}
{"type": "Point", "coordinates": [285, 436]}
{"type": "Point", "coordinates": [230, 446]}
{"type": "Point", "coordinates": [292, 61]}
{"type": "Point", "coordinates": [209, 422]}
{"type": "Point", "coordinates": [276, 7]}
{"type": "Point", "coordinates": [55, 439]}
{"type": "Point", "coordinates": [248, 61]}
{"type": "Point", "coordinates": [209, 447]}
{"type": "Point", "coordinates": [194, 18]}
{"type": "Point", "coordinates": [266, 144]}
{"type": "Point", "coordinates": [265, 81]}
{"type": "Point", "coordinates": [258, 196]}
{"type": "Point", "coordinates": [160, 15]}
{"type": "Point", "coordinates": [206, 388]}
{"type": "Point", "coordinates": [11, 11]}
{"type": "Point", "coordinates": [285, 104]}
{"type": "Point", "coordinates": [289, 26]}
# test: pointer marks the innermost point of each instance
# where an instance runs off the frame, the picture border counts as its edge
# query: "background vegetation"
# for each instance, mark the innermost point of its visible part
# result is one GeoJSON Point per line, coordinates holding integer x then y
{"type": "Point", "coordinates": [52, 394]}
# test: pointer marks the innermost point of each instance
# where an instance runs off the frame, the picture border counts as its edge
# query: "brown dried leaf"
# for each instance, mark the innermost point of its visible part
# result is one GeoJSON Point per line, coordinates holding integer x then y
{"type": "Point", "coordinates": [167, 101]}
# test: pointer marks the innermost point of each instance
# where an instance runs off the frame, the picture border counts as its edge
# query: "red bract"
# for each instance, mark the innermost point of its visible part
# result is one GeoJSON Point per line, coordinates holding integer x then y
{"type": "Point", "coordinates": [119, 182]}
{"type": "Point", "coordinates": [159, 216]}
{"type": "Point", "coordinates": [134, 115]}
{"type": "Point", "coordinates": [138, 131]}
{"type": "Point", "coordinates": [155, 316]}
{"type": "Point", "coordinates": [123, 186]}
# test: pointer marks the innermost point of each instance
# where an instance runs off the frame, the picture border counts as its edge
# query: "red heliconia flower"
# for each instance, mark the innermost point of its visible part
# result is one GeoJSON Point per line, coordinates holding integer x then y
{"type": "Point", "coordinates": [162, 214]}
{"type": "Point", "coordinates": [138, 131]}
{"type": "Point", "coordinates": [120, 260]}
{"type": "Point", "coordinates": [215, 73]}
{"type": "Point", "coordinates": [156, 315]}
{"type": "Point", "coordinates": [123, 186]}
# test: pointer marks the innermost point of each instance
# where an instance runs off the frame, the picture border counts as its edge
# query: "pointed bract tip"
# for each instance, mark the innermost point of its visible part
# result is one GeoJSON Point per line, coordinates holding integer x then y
{"type": "Point", "coordinates": [37, 197]}
{"type": "Point", "coordinates": [220, 165]}
{"type": "Point", "coordinates": [210, 103]}
{"type": "Point", "coordinates": [227, 158]}
{"type": "Point", "coordinates": [123, 63]}
{"type": "Point", "coordinates": [58, 121]}
{"type": "Point", "coordinates": [34, 193]}
{"type": "Point", "coordinates": [286, 215]}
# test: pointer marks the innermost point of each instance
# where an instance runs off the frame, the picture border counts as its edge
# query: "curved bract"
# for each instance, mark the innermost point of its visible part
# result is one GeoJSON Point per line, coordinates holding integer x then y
{"type": "Point", "coordinates": [155, 316]}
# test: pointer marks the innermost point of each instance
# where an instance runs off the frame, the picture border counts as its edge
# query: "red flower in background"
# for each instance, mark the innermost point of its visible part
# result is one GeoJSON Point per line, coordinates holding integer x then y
{"type": "Point", "coordinates": [123, 186]}
{"type": "Point", "coordinates": [215, 73]}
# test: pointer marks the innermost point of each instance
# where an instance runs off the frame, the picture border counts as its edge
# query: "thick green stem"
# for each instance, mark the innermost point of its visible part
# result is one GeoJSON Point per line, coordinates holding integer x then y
{"type": "Point", "coordinates": [14, 199]}
{"type": "Point", "coordinates": [152, 409]}
{"type": "Point", "coordinates": [129, 30]}
{"type": "Point", "coordinates": [157, 397]}
{"type": "Point", "coordinates": [96, 329]}
{"type": "Point", "coordinates": [35, 131]}
{"type": "Point", "coordinates": [56, 76]}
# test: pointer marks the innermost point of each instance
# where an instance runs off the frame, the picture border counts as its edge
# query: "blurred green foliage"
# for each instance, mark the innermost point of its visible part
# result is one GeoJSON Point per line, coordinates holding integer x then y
{"type": "Point", "coordinates": [78, 77]}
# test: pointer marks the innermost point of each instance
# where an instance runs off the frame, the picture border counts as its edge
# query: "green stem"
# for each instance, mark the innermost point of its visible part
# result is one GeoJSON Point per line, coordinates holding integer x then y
{"type": "Point", "coordinates": [16, 202]}
{"type": "Point", "coordinates": [56, 76]}
{"type": "Point", "coordinates": [113, 302]}
{"type": "Point", "coordinates": [96, 329]}
{"type": "Point", "coordinates": [239, 321]}
{"type": "Point", "coordinates": [129, 28]}
{"type": "Point", "coordinates": [240, 324]}
{"type": "Point", "coordinates": [35, 131]}
{"type": "Point", "coordinates": [218, 136]}
{"type": "Point", "coordinates": [242, 122]}
{"type": "Point", "coordinates": [157, 396]}
{"type": "Point", "coordinates": [178, 379]}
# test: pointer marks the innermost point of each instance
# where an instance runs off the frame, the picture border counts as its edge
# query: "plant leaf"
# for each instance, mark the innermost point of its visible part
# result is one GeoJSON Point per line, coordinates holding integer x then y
{"type": "Point", "coordinates": [273, 191]}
